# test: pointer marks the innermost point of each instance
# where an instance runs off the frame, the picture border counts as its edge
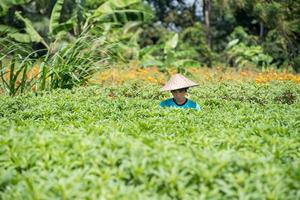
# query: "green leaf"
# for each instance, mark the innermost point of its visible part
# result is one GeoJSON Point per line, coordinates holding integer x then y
{"type": "Point", "coordinates": [54, 25]}
{"type": "Point", "coordinates": [20, 37]}
{"type": "Point", "coordinates": [151, 62]}
{"type": "Point", "coordinates": [232, 43]}
{"type": "Point", "coordinates": [4, 29]}
{"type": "Point", "coordinates": [110, 6]}
{"type": "Point", "coordinates": [6, 4]}
{"type": "Point", "coordinates": [171, 44]}
{"type": "Point", "coordinates": [34, 35]}
{"type": "Point", "coordinates": [131, 26]}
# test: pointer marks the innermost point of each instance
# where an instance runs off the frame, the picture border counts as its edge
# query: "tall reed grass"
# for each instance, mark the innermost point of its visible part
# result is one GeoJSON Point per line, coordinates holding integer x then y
{"type": "Point", "coordinates": [64, 65]}
{"type": "Point", "coordinates": [15, 62]}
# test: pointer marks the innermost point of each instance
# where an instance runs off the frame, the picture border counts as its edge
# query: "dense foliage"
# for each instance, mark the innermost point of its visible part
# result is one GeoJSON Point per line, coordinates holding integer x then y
{"type": "Point", "coordinates": [141, 29]}
{"type": "Point", "coordinates": [116, 143]}
{"type": "Point", "coordinates": [273, 25]}
{"type": "Point", "coordinates": [108, 139]}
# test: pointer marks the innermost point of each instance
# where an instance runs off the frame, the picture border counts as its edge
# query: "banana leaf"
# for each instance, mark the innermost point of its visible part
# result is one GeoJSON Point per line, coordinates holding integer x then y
{"type": "Point", "coordinates": [171, 44]}
{"type": "Point", "coordinates": [4, 29]}
{"type": "Point", "coordinates": [112, 5]}
{"type": "Point", "coordinates": [20, 37]}
{"type": "Point", "coordinates": [54, 25]}
{"type": "Point", "coordinates": [34, 35]}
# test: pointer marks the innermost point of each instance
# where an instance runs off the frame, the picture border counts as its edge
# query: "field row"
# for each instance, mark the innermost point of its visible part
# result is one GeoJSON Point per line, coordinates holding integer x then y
{"type": "Point", "coordinates": [116, 143]}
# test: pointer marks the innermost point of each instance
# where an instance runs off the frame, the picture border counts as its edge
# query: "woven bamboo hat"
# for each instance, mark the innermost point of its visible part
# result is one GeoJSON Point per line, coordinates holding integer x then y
{"type": "Point", "coordinates": [178, 81]}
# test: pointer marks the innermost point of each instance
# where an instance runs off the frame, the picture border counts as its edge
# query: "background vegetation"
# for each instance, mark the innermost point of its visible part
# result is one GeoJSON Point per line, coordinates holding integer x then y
{"type": "Point", "coordinates": [169, 33]}
{"type": "Point", "coordinates": [108, 139]}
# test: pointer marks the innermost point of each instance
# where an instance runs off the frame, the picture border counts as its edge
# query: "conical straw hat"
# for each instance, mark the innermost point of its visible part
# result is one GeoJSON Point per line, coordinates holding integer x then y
{"type": "Point", "coordinates": [178, 81]}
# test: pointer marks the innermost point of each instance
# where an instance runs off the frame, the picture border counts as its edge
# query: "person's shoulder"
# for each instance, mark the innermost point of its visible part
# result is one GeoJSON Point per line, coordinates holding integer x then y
{"type": "Point", "coordinates": [194, 105]}
{"type": "Point", "coordinates": [166, 102]}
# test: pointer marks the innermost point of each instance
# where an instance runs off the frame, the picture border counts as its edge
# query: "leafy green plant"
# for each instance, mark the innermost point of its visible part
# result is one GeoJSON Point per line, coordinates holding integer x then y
{"type": "Point", "coordinates": [15, 62]}
{"type": "Point", "coordinates": [178, 50]}
{"type": "Point", "coordinates": [12, 84]}
{"type": "Point", "coordinates": [69, 61]}
{"type": "Point", "coordinates": [241, 55]}
{"type": "Point", "coordinates": [167, 55]}
{"type": "Point", "coordinates": [74, 22]}
{"type": "Point", "coordinates": [31, 36]}
{"type": "Point", "coordinates": [276, 46]}
{"type": "Point", "coordinates": [73, 64]}
{"type": "Point", "coordinates": [243, 50]}
{"type": "Point", "coordinates": [296, 63]}
{"type": "Point", "coordinates": [69, 66]}
{"type": "Point", "coordinates": [193, 46]}
{"type": "Point", "coordinates": [87, 144]}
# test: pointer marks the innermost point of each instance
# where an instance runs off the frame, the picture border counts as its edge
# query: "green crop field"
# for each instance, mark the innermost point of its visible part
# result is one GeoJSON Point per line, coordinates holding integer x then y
{"type": "Point", "coordinates": [116, 143]}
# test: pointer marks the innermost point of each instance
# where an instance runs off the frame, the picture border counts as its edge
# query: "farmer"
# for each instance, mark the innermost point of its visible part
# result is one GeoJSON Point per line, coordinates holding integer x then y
{"type": "Point", "coordinates": [178, 85]}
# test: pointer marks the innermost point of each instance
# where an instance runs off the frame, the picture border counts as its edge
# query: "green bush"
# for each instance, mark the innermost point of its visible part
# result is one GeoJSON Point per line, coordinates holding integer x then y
{"type": "Point", "coordinates": [85, 143]}
{"type": "Point", "coordinates": [275, 46]}
{"type": "Point", "coordinates": [71, 65]}
{"type": "Point", "coordinates": [296, 63]}
{"type": "Point", "coordinates": [193, 45]}
{"type": "Point", "coordinates": [242, 50]}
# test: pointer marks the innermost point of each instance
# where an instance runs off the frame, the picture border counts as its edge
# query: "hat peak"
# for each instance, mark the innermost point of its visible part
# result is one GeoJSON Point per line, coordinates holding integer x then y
{"type": "Point", "coordinates": [178, 81]}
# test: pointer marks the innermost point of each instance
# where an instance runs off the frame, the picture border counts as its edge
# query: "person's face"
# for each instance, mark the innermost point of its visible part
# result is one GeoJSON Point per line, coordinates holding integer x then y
{"type": "Point", "coordinates": [179, 94]}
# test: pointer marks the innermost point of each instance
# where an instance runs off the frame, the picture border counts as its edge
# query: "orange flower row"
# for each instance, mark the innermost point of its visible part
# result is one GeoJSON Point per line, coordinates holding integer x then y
{"type": "Point", "coordinates": [219, 74]}
{"type": "Point", "coordinates": [151, 75]}
{"type": "Point", "coordinates": [270, 76]}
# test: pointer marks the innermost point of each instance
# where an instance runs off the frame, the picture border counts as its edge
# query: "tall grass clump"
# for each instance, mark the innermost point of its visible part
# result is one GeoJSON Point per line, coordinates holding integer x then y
{"type": "Point", "coordinates": [15, 63]}
{"type": "Point", "coordinates": [73, 64]}
{"type": "Point", "coordinates": [64, 65]}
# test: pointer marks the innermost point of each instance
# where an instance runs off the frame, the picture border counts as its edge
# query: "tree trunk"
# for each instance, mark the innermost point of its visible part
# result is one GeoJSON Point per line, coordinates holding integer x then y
{"type": "Point", "coordinates": [261, 31]}
{"type": "Point", "coordinates": [206, 14]}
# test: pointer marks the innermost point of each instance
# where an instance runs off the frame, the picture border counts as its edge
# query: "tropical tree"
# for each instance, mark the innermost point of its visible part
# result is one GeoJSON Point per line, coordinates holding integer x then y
{"type": "Point", "coordinates": [62, 17]}
{"type": "Point", "coordinates": [76, 41]}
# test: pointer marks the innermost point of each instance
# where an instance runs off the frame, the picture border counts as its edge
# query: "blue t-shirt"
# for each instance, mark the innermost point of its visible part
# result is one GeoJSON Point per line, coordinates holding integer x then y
{"type": "Point", "coordinates": [188, 104]}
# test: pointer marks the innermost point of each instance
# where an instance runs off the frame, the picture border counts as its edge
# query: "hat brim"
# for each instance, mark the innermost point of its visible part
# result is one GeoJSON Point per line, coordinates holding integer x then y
{"type": "Point", "coordinates": [176, 88]}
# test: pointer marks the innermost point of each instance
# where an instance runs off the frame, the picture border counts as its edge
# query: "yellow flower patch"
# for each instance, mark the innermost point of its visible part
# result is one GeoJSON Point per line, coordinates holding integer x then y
{"type": "Point", "coordinates": [216, 74]}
